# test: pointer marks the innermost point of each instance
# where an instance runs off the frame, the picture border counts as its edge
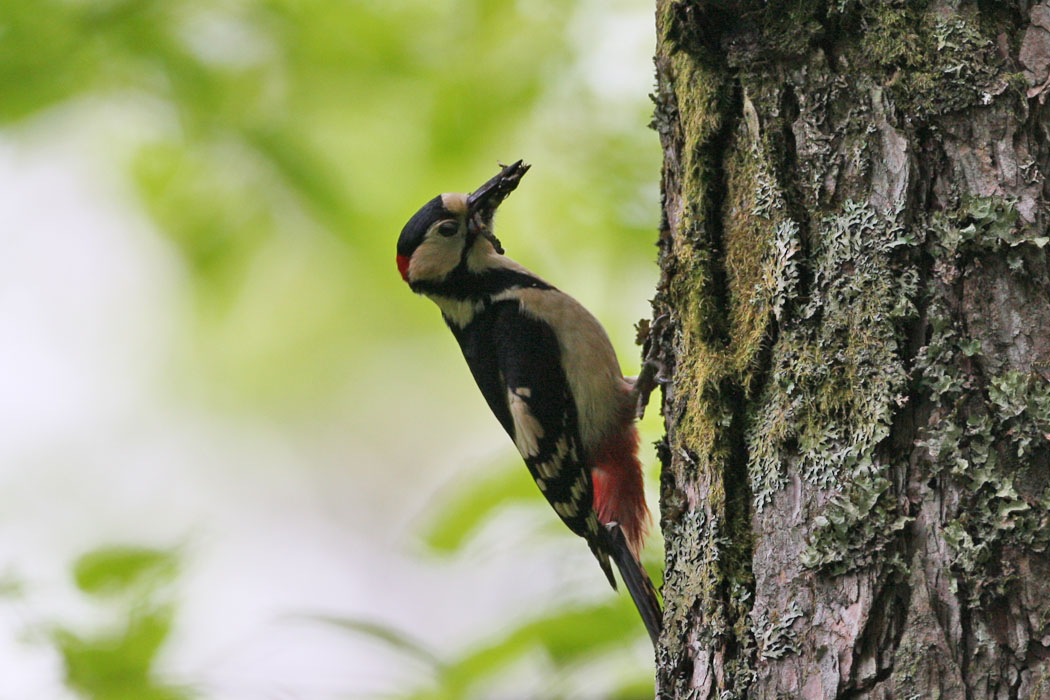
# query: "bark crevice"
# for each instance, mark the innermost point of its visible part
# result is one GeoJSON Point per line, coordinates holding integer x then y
{"type": "Point", "coordinates": [713, 152]}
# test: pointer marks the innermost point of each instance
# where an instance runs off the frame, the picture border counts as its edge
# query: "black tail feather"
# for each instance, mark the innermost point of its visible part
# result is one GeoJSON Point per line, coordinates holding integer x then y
{"type": "Point", "coordinates": [637, 581]}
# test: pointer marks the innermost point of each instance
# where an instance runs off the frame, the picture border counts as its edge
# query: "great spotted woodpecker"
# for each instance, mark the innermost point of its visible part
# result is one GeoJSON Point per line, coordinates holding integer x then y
{"type": "Point", "coordinates": [547, 370]}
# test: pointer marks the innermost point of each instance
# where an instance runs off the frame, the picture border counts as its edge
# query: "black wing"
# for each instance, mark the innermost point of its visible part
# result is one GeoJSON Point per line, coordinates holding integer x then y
{"type": "Point", "coordinates": [516, 363]}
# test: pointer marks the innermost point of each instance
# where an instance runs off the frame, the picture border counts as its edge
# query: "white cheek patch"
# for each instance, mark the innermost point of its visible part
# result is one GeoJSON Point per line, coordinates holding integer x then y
{"type": "Point", "coordinates": [527, 430]}
{"type": "Point", "coordinates": [435, 257]}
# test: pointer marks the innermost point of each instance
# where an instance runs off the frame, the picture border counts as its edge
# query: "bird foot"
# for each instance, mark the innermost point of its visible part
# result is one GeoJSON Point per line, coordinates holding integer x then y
{"type": "Point", "coordinates": [651, 376]}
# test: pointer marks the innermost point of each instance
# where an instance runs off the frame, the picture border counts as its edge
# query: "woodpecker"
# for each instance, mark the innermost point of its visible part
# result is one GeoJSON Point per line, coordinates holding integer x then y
{"type": "Point", "coordinates": [548, 371]}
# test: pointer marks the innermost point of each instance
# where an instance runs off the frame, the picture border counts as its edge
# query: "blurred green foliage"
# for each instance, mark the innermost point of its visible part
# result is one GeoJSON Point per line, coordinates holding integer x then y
{"type": "Point", "coordinates": [110, 571]}
{"type": "Point", "coordinates": [568, 642]}
{"type": "Point", "coordinates": [279, 146]}
{"type": "Point", "coordinates": [568, 639]}
{"type": "Point", "coordinates": [118, 663]}
{"type": "Point", "coordinates": [474, 502]}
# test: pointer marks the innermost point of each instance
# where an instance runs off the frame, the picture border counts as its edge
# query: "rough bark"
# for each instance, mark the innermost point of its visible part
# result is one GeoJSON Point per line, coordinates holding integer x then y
{"type": "Point", "coordinates": [855, 310]}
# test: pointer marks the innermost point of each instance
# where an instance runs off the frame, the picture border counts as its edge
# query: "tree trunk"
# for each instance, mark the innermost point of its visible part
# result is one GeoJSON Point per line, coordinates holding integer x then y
{"type": "Point", "coordinates": [855, 310]}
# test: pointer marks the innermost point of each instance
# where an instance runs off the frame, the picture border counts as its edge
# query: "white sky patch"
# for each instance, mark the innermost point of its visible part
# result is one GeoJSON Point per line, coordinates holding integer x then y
{"type": "Point", "coordinates": [616, 51]}
{"type": "Point", "coordinates": [218, 37]}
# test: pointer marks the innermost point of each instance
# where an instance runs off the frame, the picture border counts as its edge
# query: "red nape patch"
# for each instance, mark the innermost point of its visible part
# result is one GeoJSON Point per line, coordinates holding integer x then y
{"type": "Point", "coordinates": [402, 266]}
{"type": "Point", "coordinates": [619, 494]}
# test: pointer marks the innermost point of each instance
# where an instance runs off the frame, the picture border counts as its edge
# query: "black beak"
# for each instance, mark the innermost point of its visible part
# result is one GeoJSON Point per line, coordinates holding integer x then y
{"type": "Point", "coordinates": [482, 202]}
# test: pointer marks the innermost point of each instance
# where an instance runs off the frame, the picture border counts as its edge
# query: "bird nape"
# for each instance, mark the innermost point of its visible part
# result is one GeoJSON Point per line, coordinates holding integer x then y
{"type": "Point", "coordinates": [548, 371]}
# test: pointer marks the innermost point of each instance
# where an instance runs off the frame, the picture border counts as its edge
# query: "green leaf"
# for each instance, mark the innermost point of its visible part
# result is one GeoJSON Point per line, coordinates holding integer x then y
{"type": "Point", "coordinates": [384, 633]}
{"type": "Point", "coordinates": [12, 586]}
{"type": "Point", "coordinates": [115, 569]}
{"type": "Point", "coordinates": [641, 689]}
{"type": "Point", "coordinates": [117, 666]}
{"type": "Point", "coordinates": [568, 637]}
{"type": "Point", "coordinates": [470, 507]}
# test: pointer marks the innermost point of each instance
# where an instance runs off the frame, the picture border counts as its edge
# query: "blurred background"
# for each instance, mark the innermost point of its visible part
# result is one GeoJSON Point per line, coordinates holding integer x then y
{"type": "Point", "coordinates": [238, 458]}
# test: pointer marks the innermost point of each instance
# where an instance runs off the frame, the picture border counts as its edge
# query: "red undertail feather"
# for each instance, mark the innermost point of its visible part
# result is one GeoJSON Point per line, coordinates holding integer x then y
{"type": "Point", "coordinates": [619, 495]}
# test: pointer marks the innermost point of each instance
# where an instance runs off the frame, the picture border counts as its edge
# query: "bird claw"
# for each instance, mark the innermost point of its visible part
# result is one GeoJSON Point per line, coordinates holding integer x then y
{"type": "Point", "coordinates": [651, 376]}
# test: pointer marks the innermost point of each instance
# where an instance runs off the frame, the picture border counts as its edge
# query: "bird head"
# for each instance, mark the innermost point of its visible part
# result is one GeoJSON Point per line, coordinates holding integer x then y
{"type": "Point", "coordinates": [447, 230]}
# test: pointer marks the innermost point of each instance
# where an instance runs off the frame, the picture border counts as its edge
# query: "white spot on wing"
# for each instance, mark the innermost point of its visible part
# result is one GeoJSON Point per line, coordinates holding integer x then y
{"type": "Point", "coordinates": [565, 510]}
{"type": "Point", "coordinates": [553, 466]}
{"type": "Point", "coordinates": [527, 430]}
{"type": "Point", "coordinates": [578, 490]}
{"type": "Point", "coordinates": [548, 469]}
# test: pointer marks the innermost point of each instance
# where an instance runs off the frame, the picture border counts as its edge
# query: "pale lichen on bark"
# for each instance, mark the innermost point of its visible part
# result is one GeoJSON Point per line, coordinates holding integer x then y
{"type": "Point", "coordinates": [856, 290]}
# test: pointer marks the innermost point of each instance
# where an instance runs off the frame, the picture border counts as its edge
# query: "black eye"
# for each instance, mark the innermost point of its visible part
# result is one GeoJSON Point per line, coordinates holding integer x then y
{"type": "Point", "coordinates": [448, 228]}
